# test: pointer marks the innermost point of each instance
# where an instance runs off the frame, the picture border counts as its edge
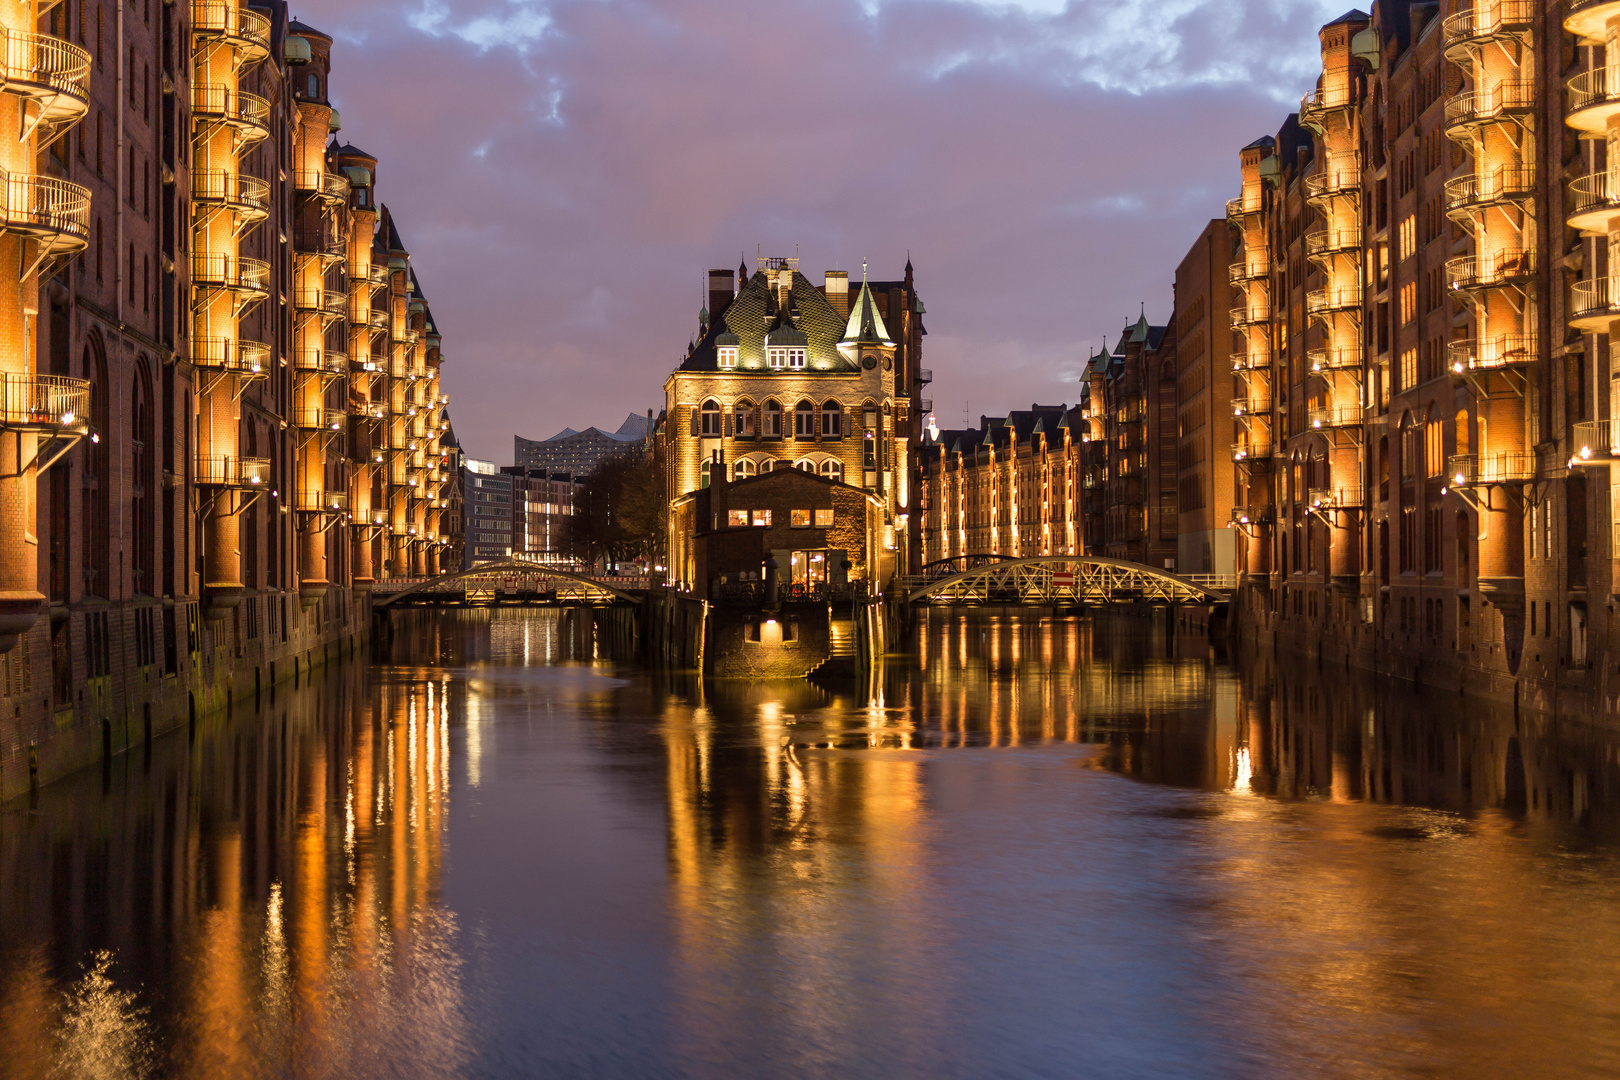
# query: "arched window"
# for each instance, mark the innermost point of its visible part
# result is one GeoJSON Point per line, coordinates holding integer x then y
{"type": "Point", "coordinates": [314, 85]}
{"type": "Point", "coordinates": [97, 509]}
{"type": "Point", "coordinates": [743, 423]}
{"type": "Point", "coordinates": [143, 449]}
{"type": "Point", "coordinates": [832, 420]}
{"type": "Point", "coordinates": [703, 473]}
{"type": "Point", "coordinates": [710, 414]}
{"type": "Point", "coordinates": [833, 469]}
{"type": "Point", "coordinates": [804, 420]}
{"type": "Point", "coordinates": [1463, 441]}
{"type": "Point", "coordinates": [773, 420]}
{"type": "Point", "coordinates": [746, 467]}
{"type": "Point", "coordinates": [1383, 469]}
{"type": "Point", "coordinates": [805, 465]}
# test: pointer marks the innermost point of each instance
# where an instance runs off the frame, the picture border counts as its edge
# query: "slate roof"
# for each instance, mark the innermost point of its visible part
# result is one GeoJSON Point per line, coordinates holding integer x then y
{"type": "Point", "coordinates": [754, 313]}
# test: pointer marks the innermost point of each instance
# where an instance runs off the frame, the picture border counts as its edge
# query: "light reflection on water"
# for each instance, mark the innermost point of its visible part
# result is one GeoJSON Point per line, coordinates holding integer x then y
{"type": "Point", "coordinates": [1047, 847]}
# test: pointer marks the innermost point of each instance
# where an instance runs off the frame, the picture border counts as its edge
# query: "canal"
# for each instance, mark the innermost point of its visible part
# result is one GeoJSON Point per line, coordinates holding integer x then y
{"type": "Point", "coordinates": [1041, 848]}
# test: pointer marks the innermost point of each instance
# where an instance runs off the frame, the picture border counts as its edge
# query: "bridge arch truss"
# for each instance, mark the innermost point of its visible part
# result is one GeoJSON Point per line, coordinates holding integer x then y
{"type": "Point", "coordinates": [511, 578]}
{"type": "Point", "coordinates": [1064, 579]}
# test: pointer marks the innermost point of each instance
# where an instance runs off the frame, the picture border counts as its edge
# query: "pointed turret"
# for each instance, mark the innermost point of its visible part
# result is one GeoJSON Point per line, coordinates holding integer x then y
{"type": "Point", "coordinates": [865, 326]}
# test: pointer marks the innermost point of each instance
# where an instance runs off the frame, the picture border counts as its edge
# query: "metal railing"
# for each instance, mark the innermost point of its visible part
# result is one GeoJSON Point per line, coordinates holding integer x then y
{"type": "Point", "coordinates": [40, 60]}
{"type": "Point", "coordinates": [1242, 206]}
{"type": "Point", "coordinates": [1252, 450]}
{"type": "Point", "coordinates": [1487, 20]}
{"type": "Point", "coordinates": [1332, 241]}
{"type": "Point", "coordinates": [44, 205]}
{"type": "Point", "coordinates": [1339, 174]}
{"type": "Point", "coordinates": [1593, 196]}
{"type": "Point", "coordinates": [1483, 106]}
{"type": "Point", "coordinates": [1506, 350]}
{"type": "Point", "coordinates": [1251, 314]}
{"type": "Point", "coordinates": [1596, 442]}
{"type": "Point", "coordinates": [1336, 498]}
{"type": "Point", "coordinates": [327, 186]}
{"type": "Point", "coordinates": [1470, 470]}
{"type": "Point", "coordinates": [233, 189]}
{"type": "Point", "coordinates": [43, 402]}
{"type": "Point", "coordinates": [1333, 359]}
{"type": "Point", "coordinates": [231, 354]}
{"type": "Point", "coordinates": [215, 269]}
{"type": "Point", "coordinates": [320, 360]}
{"type": "Point", "coordinates": [231, 471]}
{"type": "Point", "coordinates": [1333, 298]}
{"type": "Point", "coordinates": [232, 20]}
{"type": "Point", "coordinates": [1254, 404]}
{"type": "Point", "coordinates": [1591, 300]}
{"type": "Point", "coordinates": [1504, 184]}
{"type": "Point", "coordinates": [320, 301]}
{"type": "Point", "coordinates": [319, 419]}
{"type": "Point", "coordinates": [1251, 360]}
{"type": "Point", "coordinates": [1314, 106]}
{"type": "Point", "coordinates": [322, 501]}
{"type": "Point", "coordinates": [369, 410]}
{"type": "Point", "coordinates": [221, 104]}
{"type": "Point", "coordinates": [925, 376]}
{"type": "Point", "coordinates": [1491, 269]}
{"type": "Point", "coordinates": [1336, 416]}
{"type": "Point", "coordinates": [1247, 270]}
{"type": "Point", "coordinates": [1588, 89]}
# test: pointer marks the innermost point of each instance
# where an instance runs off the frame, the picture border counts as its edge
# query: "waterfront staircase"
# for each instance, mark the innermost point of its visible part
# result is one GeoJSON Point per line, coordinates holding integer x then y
{"type": "Point", "coordinates": [841, 650]}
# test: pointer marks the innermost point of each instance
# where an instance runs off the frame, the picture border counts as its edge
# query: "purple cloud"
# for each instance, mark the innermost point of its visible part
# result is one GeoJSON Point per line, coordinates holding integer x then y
{"type": "Point", "coordinates": [565, 172]}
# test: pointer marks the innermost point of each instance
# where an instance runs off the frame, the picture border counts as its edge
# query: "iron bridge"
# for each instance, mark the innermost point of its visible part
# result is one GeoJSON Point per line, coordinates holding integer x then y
{"type": "Point", "coordinates": [1063, 579]}
{"type": "Point", "coordinates": [508, 582]}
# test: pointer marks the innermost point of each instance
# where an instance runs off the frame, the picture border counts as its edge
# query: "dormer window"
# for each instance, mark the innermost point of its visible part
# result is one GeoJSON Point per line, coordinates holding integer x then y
{"type": "Point", "coordinates": [778, 357]}
{"type": "Point", "coordinates": [728, 356]}
{"type": "Point", "coordinates": [796, 359]}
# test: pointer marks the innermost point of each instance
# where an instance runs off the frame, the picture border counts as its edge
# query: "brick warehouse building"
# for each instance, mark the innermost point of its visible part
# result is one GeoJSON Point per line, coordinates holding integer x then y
{"type": "Point", "coordinates": [221, 378]}
{"type": "Point", "coordinates": [786, 374]}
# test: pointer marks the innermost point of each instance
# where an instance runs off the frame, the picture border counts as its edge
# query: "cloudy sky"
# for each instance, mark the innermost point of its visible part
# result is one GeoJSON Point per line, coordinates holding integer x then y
{"type": "Point", "coordinates": [565, 171]}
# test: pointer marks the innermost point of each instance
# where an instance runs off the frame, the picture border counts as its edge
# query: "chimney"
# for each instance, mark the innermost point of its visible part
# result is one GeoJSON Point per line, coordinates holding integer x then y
{"type": "Point", "coordinates": [721, 290]}
{"type": "Point", "coordinates": [837, 290]}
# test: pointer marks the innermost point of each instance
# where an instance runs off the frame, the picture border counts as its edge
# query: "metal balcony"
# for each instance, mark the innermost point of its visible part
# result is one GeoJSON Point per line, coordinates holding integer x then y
{"type": "Point", "coordinates": [54, 212]}
{"type": "Point", "coordinates": [1251, 451]}
{"type": "Point", "coordinates": [231, 471]}
{"type": "Point", "coordinates": [52, 73]}
{"type": "Point", "coordinates": [1339, 176]}
{"type": "Point", "coordinates": [925, 376]}
{"type": "Point", "coordinates": [247, 197]}
{"type": "Point", "coordinates": [1339, 498]}
{"type": "Point", "coordinates": [360, 362]}
{"type": "Point", "coordinates": [368, 410]}
{"type": "Point", "coordinates": [1336, 416]}
{"type": "Point", "coordinates": [248, 358]}
{"type": "Point", "coordinates": [232, 23]}
{"type": "Point", "coordinates": [323, 302]}
{"type": "Point", "coordinates": [1323, 360]}
{"type": "Point", "coordinates": [1251, 405]}
{"type": "Point", "coordinates": [1506, 185]}
{"type": "Point", "coordinates": [1508, 267]}
{"type": "Point", "coordinates": [320, 361]}
{"type": "Point", "coordinates": [1594, 200]}
{"type": "Point", "coordinates": [1503, 351]}
{"type": "Point", "coordinates": [1592, 101]}
{"type": "Point", "coordinates": [1597, 442]}
{"type": "Point", "coordinates": [1317, 106]}
{"type": "Point", "coordinates": [44, 403]}
{"type": "Point", "coordinates": [232, 273]}
{"type": "Point", "coordinates": [1486, 22]}
{"type": "Point", "coordinates": [1326, 243]}
{"type": "Point", "coordinates": [1247, 270]}
{"type": "Point", "coordinates": [1507, 101]}
{"type": "Point", "coordinates": [247, 115]}
{"type": "Point", "coordinates": [1333, 299]}
{"type": "Point", "coordinates": [323, 186]}
{"type": "Point", "coordinates": [1253, 314]}
{"type": "Point", "coordinates": [1478, 470]}
{"type": "Point", "coordinates": [1242, 207]}
{"type": "Point", "coordinates": [1252, 360]}
{"type": "Point", "coordinates": [1589, 18]}
{"type": "Point", "coordinates": [1592, 305]}
{"type": "Point", "coordinates": [322, 502]}
{"type": "Point", "coordinates": [319, 419]}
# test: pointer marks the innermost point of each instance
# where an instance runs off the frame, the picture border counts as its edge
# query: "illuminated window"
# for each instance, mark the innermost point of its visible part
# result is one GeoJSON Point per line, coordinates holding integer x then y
{"type": "Point", "coordinates": [773, 420]}
{"type": "Point", "coordinates": [1409, 364]}
{"type": "Point", "coordinates": [1431, 449]}
{"type": "Point", "coordinates": [832, 420]}
{"type": "Point", "coordinates": [728, 356]}
{"type": "Point", "coordinates": [832, 470]}
{"type": "Point", "coordinates": [744, 420]}
{"type": "Point", "coordinates": [804, 420]}
{"type": "Point", "coordinates": [1408, 302]}
{"type": "Point", "coordinates": [777, 357]}
{"type": "Point", "coordinates": [736, 518]}
{"type": "Point", "coordinates": [1406, 237]}
{"type": "Point", "coordinates": [762, 518]}
{"type": "Point", "coordinates": [799, 519]}
{"type": "Point", "coordinates": [710, 415]}
{"type": "Point", "coordinates": [745, 468]}
{"type": "Point", "coordinates": [796, 358]}
{"type": "Point", "coordinates": [824, 519]}
{"type": "Point", "coordinates": [805, 465]}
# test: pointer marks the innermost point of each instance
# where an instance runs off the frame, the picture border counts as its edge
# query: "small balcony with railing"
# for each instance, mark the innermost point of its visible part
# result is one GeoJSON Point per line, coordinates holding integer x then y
{"type": "Point", "coordinates": [1593, 202]}
{"type": "Point", "coordinates": [54, 212]}
{"type": "Point", "coordinates": [323, 243]}
{"type": "Point", "coordinates": [925, 376]}
{"type": "Point", "coordinates": [1322, 500]}
{"type": "Point", "coordinates": [1325, 361]}
{"type": "Point", "coordinates": [1323, 244]}
{"type": "Point", "coordinates": [1589, 19]}
{"type": "Point", "coordinates": [368, 410]}
{"type": "Point", "coordinates": [1334, 417]}
{"type": "Point", "coordinates": [322, 502]}
{"type": "Point", "coordinates": [1252, 450]}
{"type": "Point", "coordinates": [332, 189]}
{"type": "Point", "coordinates": [1592, 305]}
{"type": "Point", "coordinates": [1338, 177]}
{"type": "Point", "coordinates": [48, 71]}
{"type": "Point", "coordinates": [236, 356]}
{"type": "Point", "coordinates": [1254, 313]}
{"type": "Point", "coordinates": [1506, 268]}
{"type": "Point", "coordinates": [1505, 185]}
{"type": "Point", "coordinates": [1491, 354]}
{"type": "Point", "coordinates": [52, 404]}
{"type": "Point", "coordinates": [218, 271]}
{"type": "Point", "coordinates": [232, 23]}
{"type": "Point", "coordinates": [319, 418]}
{"type": "Point", "coordinates": [1593, 99]}
{"type": "Point", "coordinates": [1483, 470]}
{"type": "Point", "coordinates": [1488, 21]}
{"type": "Point", "coordinates": [323, 362]}
{"type": "Point", "coordinates": [1255, 358]}
{"type": "Point", "coordinates": [1240, 209]}
{"type": "Point", "coordinates": [321, 302]}
{"type": "Point", "coordinates": [363, 363]}
{"type": "Point", "coordinates": [1321, 105]}
{"type": "Point", "coordinates": [245, 197]}
{"type": "Point", "coordinates": [227, 470]}
{"type": "Point", "coordinates": [1256, 403]}
{"type": "Point", "coordinates": [1333, 300]}
{"type": "Point", "coordinates": [247, 115]}
{"type": "Point", "coordinates": [1510, 101]}
{"type": "Point", "coordinates": [1597, 442]}
{"type": "Point", "coordinates": [1246, 270]}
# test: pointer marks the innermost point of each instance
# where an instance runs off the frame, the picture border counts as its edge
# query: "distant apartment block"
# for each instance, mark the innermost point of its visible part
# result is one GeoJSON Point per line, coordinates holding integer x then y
{"type": "Point", "coordinates": [578, 452]}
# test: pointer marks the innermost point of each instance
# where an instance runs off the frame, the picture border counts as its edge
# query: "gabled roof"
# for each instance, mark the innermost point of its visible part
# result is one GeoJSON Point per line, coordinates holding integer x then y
{"type": "Point", "coordinates": [754, 314]}
{"type": "Point", "coordinates": [1354, 15]}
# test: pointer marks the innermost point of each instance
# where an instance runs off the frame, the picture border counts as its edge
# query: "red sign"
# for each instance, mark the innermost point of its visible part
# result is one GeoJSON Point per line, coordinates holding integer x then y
{"type": "Point", "coordinates": [1063, 579]}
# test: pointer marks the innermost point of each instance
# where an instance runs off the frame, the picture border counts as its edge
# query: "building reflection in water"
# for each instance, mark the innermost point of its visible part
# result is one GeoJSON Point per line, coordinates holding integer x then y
{"type": "Point", "coordinates": [259, 899]}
